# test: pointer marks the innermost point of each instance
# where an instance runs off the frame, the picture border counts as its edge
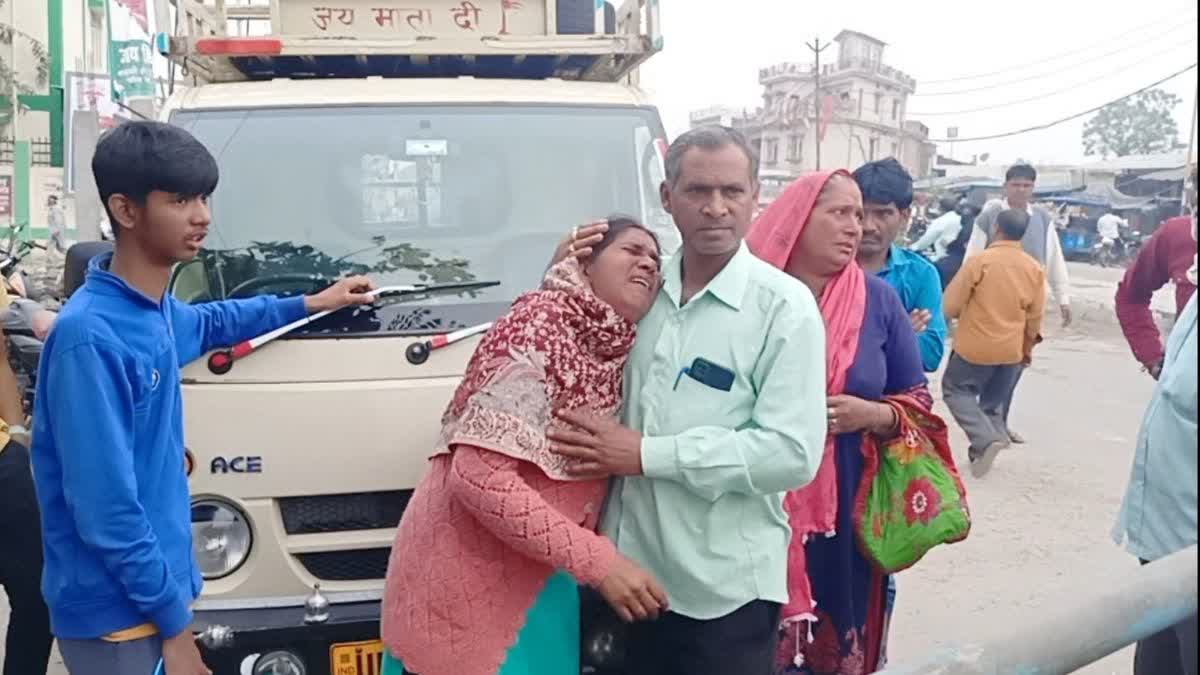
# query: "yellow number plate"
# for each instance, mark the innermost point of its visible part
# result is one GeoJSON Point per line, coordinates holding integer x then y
{"type": "Point", "coordinates": [356, 658]}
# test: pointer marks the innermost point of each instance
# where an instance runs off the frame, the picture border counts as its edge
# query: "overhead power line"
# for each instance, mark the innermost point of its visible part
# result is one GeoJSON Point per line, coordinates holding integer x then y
{"type": "Point", "coordinates": [1171, 18]}
{"type": "Point", "coordinates": [1060, 91]}
{"type": "Point", "coordinates": [1124, 50]}
{"type": "Point", "coordinates": [1057, 122]}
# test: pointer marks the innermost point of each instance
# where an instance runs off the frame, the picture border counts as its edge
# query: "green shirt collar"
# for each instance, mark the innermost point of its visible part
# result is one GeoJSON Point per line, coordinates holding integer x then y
{"type": "Point", "coordinates": [729, 286]}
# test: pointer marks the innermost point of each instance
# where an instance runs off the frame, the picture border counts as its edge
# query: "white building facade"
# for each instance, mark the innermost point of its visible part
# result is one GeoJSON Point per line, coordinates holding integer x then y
{"type": "Point", "coordinates": [863, 113]}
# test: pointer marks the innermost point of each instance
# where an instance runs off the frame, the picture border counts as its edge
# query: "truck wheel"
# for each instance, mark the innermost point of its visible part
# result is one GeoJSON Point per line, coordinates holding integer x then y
{"type": "Point", "coordinates": [578, 17]}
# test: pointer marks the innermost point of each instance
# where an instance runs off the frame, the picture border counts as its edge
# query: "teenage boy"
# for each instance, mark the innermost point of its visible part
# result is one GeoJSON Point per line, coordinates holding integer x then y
{"type": "Point", "coordinates": [108, 459]}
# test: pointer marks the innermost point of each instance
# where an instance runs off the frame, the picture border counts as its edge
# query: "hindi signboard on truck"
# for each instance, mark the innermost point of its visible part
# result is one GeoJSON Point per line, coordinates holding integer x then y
{"type": "Point", "coordinates": [411, 18]}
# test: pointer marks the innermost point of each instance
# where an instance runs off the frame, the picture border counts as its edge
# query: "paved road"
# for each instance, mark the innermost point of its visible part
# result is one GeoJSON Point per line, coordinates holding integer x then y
{"type": "Point", "coordinates": [1043, 516]}
{"type": "Point", "coordinates": [1095, 286]}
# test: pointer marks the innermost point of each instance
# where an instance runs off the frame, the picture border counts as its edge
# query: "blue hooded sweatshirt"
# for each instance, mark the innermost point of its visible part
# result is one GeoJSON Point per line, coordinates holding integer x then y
{"type": "Point", "coordinates": [108, 451]}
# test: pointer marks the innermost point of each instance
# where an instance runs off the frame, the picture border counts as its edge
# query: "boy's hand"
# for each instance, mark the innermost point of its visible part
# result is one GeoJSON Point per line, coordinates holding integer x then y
{"type": "Point", "coordinates": [182, 657]}
{"type": "Point", "coordinates": [345, 293]}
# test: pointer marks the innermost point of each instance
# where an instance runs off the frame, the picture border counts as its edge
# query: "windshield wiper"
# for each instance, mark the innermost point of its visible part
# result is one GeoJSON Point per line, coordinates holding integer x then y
{"type": "Point", "coordinates": [221, 362]}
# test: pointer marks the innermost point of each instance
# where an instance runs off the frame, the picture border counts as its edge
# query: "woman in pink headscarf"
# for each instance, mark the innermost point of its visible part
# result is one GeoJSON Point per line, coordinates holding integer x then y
{"type": "Point", "coordinates": [835, 622]}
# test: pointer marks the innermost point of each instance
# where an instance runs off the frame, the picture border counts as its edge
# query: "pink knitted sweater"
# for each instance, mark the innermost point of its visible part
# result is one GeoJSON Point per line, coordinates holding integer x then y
{"type": "Point", "coordinates": [476, 545]}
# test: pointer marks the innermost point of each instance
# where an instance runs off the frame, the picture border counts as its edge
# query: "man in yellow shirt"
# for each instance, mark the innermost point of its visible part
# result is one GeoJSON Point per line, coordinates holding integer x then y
{"type": "Point", "coordinates": [998, 297]}
{"type": "Point", "coordinates": [28, 647]}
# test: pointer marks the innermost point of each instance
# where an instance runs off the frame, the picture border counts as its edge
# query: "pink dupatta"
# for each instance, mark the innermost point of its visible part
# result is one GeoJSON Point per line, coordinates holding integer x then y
{"type": "Point", "coordinates": [773, 237]}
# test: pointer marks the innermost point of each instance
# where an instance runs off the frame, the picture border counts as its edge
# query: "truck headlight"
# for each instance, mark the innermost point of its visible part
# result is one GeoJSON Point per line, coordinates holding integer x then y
{"type": "Point", "coordinates": [221, 537]}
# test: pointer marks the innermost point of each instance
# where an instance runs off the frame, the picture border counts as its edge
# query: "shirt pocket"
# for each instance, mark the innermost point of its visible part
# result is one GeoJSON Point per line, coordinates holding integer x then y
{"type": "Point", "coordinates": [694, 403]}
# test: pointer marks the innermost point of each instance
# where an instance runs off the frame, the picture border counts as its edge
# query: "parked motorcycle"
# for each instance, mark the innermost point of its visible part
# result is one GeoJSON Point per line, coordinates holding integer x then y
{"type": "Point", "coordinates": [26, 321]}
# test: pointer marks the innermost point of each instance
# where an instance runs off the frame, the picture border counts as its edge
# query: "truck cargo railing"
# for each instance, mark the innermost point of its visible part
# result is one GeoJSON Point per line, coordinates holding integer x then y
{"type": "Point", "coordinates": [570, 39]}
{"type": "Point", "coordinates": [1121, 611]}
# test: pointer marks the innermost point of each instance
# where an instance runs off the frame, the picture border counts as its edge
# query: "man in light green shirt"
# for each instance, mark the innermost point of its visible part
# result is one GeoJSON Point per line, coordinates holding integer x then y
{"type": "Point", "coordinates": [724, 412]}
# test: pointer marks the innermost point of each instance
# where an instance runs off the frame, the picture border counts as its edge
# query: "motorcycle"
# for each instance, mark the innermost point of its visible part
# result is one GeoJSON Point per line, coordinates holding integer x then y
{"type": "Point", "coordinates": [26, 321]}
{"type": "Point", "coordinates": [1117, 252]}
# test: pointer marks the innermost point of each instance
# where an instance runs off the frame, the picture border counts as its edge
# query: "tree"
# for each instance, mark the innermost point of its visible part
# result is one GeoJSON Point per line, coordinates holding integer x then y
{"type": "Point", "coordinates": [1142, 124]}
{"type": "Point", "coordinates": [9, 78]}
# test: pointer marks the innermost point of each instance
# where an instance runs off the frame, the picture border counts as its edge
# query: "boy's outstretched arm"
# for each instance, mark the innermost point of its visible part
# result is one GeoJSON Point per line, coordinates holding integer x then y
{"type": "Point", "coordinates": [204, 327]}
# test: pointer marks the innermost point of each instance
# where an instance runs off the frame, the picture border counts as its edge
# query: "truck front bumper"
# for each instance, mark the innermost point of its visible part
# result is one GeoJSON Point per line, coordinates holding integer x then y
{"type": "Point", "coordinates": [255, 633]}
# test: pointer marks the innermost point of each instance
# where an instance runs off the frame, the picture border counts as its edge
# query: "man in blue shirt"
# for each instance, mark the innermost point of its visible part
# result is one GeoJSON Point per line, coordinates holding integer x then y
{"type": "Point", "coordinates": [1158, 514]}
{"type": "Point", "coordinates": [108, 458]}
{"type": "Point", "coordinates": [887, 199]}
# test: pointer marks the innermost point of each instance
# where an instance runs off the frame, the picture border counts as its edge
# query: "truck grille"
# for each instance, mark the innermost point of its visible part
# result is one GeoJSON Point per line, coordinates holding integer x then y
{"type": "Point", "coordinates": [343, 513]}
{"type": "Point", "coordinates": [361, 565]}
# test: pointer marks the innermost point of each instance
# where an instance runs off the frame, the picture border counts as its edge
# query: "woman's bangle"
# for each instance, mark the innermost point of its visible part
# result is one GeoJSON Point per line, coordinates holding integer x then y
{"type": "Point", "coordinates": [888, 425]}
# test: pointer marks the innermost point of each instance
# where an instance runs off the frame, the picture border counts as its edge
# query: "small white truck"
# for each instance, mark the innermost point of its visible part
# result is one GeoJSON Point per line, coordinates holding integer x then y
{"type": "Point", "coordinates": [419, 142]}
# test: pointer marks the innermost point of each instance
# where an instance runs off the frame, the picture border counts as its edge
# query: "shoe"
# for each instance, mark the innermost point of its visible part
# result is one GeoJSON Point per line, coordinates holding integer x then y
{"type": "Point", "coordinates": [1015, 438]}
{"type": "Point", "coordinates": [982, 464]}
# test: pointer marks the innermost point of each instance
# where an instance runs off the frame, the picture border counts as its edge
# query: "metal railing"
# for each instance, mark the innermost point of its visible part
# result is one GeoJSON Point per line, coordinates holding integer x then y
{"type": "Point", "coordinates": [1123, 610]}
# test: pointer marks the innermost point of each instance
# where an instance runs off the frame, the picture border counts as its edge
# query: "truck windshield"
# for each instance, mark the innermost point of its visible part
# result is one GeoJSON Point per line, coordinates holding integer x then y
{"type": "Point", "coordinates": [413, 195]}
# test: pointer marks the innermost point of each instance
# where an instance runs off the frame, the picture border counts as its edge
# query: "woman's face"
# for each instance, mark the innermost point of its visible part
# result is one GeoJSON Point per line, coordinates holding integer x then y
{"type": "Point", "coordinates": [626, 273]}
{"type": "Point", "coordinates": [830, 239]}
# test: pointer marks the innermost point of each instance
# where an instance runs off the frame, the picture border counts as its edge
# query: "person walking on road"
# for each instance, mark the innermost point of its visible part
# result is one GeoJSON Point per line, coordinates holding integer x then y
{"type": "Point", "coordinates": [27, 648]}
{"type": "Point", "coordinates": [1158, 513]}
{"type": "Point", "coordinates": [1169, 257]}
{"type": "Point", "coordinates": [1041, 241]}
{"type": "Point", "coordinates": [999, 298]}
{"type": "Point", "coordinates": [108, 457]}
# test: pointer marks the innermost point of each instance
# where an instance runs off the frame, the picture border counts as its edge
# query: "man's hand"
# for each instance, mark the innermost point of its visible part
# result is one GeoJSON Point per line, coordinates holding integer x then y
{"type": "Point", "coordinates": [920, 320]}
{"type": "Point", "coordinates": [182, 657]}
{"type": "Point", "coordinates": [632, 593]}
{"type": "Point", "coordinates": [1155, 369]}
{"type": "Point", "coordinates": [345, 293]}
{"type": "Point", "coordinates": [603, 448]}
{"type": "Point", "coordinates": [1067, 317]}
{"type": "Point", "coordinates": [579, 241]}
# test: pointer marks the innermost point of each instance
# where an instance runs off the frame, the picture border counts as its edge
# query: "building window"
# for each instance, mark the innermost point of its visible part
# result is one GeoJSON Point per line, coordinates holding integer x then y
{"type": "Point", "coordinates": [795, 148]}
{"type": "Point", "coordinates": [860, 103]}
{"type": "Point", "coordinates": [878, 103]}
{"type": "Point", "coordinates": [874, 149]}
{"type": "Point", "coordinates": [895, 109]}
{"type": "Point", "coordinates": [896, 150]}
{"type": "Point", "coordinates": [772, 153]}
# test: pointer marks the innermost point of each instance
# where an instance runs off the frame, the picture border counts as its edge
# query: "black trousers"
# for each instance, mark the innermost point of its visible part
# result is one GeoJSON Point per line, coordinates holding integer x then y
{"type": "Point", "coordinates": [1171, 652]}
{"type": "Point", "coordinates": [741, 643]}
{"type": "Point", "coordinates": [27, 649]}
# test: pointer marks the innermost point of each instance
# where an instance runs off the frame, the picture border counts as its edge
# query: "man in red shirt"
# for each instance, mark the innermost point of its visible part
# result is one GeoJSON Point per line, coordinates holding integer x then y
{"type": "Point", "coordinates": [1168, 256]}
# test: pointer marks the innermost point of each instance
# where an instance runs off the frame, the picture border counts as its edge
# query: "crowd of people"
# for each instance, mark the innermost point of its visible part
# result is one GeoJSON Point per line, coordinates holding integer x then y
{"type": "Point", "coordinates": [694, 439]}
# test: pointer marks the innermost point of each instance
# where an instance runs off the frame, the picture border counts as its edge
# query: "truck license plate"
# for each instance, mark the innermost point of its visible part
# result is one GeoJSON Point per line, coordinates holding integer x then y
{"type": "Point", "coordinates": [357, 658]}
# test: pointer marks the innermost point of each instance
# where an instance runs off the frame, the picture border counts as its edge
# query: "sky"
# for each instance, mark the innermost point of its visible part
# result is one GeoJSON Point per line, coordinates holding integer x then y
{"type": "Point", "coordinates": [1070, 54]}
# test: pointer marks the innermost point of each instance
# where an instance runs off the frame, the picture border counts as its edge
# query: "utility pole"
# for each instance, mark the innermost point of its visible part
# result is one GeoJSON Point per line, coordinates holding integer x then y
{"type": "Point", "coordinates": [817, 48]}
{"type": "Point", "coordinates": [12, 67]}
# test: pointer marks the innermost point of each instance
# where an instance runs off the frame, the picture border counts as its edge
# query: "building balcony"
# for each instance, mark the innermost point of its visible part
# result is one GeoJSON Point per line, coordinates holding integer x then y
{"type": "Point", "coordinates": [803, 72]}
{"type": "Point", "coordinates": [786, 71]}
